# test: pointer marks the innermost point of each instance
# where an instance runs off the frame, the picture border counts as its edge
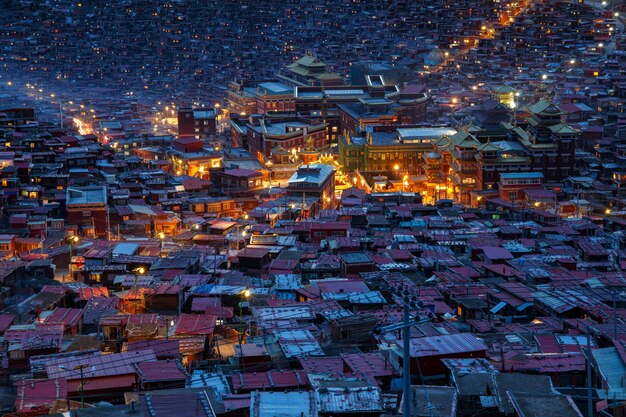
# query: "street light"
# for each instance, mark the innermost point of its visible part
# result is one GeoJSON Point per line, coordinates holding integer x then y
{"type": "Point", "coordinates": [269, 164]}
{"type": "Point", "coordinates": [168, 325]}
{"type": "Point", "coordinates": [161, 237]}
{"type": "Point", "coordinates": [244, 295]}
{"type": "Point", "coordinates": [137, 271]}
{"type": "Point", "coordinates": [72, 241]}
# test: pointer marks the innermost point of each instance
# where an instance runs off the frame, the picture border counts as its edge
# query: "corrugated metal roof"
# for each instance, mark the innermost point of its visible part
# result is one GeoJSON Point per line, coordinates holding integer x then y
{"type": "Point", "coordinates": [251, 349]}
{"type": "Point", "coordinates": [97, 307]}
{"type": "Point", "coordinates": [283, 404]}
{"type": "Point", "coordinates": [348, 400]}
{"type": "Point", "coordinates": [295, 349]}
{"type": "Point", "coordinates": [341, 285]}
{"type": "Point", "coordinates": [498, 307]}
{"type": "Point", "coordinates": [98, 365]}
{"type": "Point", "coordinates": [279, 313]}
{"type": "Point", "coordinates": [169, 370]}
{"type": "Point", "coordinates": [179, 403]}
{"type": "Point", "coordinates": [236, 401]}
{"type": "Point", "coordinates": [611, 367]}
{"type": "Point", "coordinates": [445, 345]}
{"type": "Point", "coordinates": [162, 348]}
{"type": "Point", "coordinates": [91, 292]}
{"type": "Point", "coordinates": [196, 324]}
{"type": "Point", "coordinates": [369, 297]}
{"type": "Point", "coordinates": [216, 381]}
{"type": "Point", "coordinates": [37, 393]}
{"type": "Point", "coordinates": [34, 336]}
{"type": "Point", "coordinates": [369, 364]}
{"type": "Point", "coordinates": [125, 248]}
{"type": "Point", "coordinates": [103, 383]}
{"type": "Point", "coordinates": [552, 301]}
{"type": "Point", "coordinates": [67, 316]}
{"type": "Point", "coordinates": [322, 365]}
{"type": "Point", "coordinates": [551, 364]}
{"type": "Point", "coordinates": [268, 380]}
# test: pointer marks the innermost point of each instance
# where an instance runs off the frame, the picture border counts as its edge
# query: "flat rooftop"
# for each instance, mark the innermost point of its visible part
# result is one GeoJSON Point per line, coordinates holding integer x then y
{"type": "Point", "coordinates": [311, 174]}
{"type": "Point", "coordinates": [515, 175]}
{"type": "Point", "coordinates": [275, 88]}
{"type": "Point", "coordinates": [425, 132]}
{"type": "Point", "coordinates": [86, 195]}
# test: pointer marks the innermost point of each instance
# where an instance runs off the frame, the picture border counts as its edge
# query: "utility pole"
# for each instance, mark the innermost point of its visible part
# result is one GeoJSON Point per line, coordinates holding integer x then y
{"type": "Point", "coordinates": [215, 262]}
{"type": "Point", "coordinates": [406, 348]}
{"type": "Point", "coordinates": [615, 297]}
{"type": "Point", "coordinates": [614, 316]}
{"type": "Point", "coordinates": [108, 224]}
{"type": "Point", "coordinates": [81, 390]}
{"type": "Point", "coordinates": [589, 390]}
{"type": "Point", "coordinates": [82, 384]}
{"type": "Point", "coordinates": [406, 360]}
